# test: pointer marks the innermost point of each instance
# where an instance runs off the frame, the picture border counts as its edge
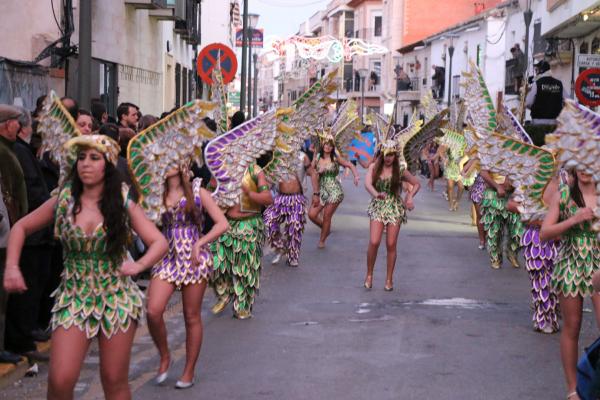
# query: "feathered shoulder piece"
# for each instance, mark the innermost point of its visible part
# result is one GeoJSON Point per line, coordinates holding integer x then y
{"type": "Point", "coordinates": [529, 168]}
{"type": "Point", "coordinates": [57, 127]}
{"type": "Point", "coordinates": [228, 156]}
{"type": "Point", "coordinates": [509, 125]}
{"type": "Point", "coordinates": [345, 127]}
{"type": "Point", "coordinates": [480, 106]}
{"type": "Point", "coordinates": [173, 142]}
{"type": "Point", "coordinates": [577, 141]}
{"type": "Point", "coordinates": [308, 111]}
{"type": "Point", "coordinates": [427, 132]}
{"type": "Point", "coordinates": [219, 96]}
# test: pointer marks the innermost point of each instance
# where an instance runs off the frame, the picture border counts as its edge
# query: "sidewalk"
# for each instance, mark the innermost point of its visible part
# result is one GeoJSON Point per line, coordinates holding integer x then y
{"type": "Point", "coordinates": [10, 373]}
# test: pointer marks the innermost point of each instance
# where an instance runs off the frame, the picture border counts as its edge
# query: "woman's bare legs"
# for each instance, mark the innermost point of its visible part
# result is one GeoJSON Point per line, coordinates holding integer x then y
{"type": "Point", "coordinates": [328, 212]}
{"type": "Point", "coordinates": [115, 355]}
{"type": "Point", "coordinates": [69, 347]}
{"type": "Point", "coordinates": [572, 308]}
{"type": "Point", "coordinates": [159, 293]}
{"type": "Point", "coordinates": [375, 234]}
{"type": "Point", "coordinates": [480, 229]}
{"type": "Point", "coordinates": [313, 215]}
{"type": "Point", "coordinates": [450, 191]}
{"type": "Point", "coordinates": [391, 242]}
{"type": "Point", "coordinates": [192, 314]}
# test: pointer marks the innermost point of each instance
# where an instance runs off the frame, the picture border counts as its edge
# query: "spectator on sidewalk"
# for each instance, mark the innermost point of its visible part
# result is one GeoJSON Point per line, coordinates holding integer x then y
{"type": "Point", "coordinates": [85, 122]}
{"type": "Point", "coordinates": [99, 112]}
{"type": "Point", "coordinates": [23, 309]}
{"type": "Point", "coordinates": [14, 195]}
{"type": "Point", "coordinates": [128, 117]}
{"type": "Point", "coordinates": [71, 106]}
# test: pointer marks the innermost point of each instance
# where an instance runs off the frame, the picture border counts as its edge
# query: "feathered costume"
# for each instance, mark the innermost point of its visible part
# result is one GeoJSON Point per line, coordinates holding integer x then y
{"type": "Point", "coordinates": [286, 217]}
{"type": "Point", "coordinates": [92, 295]}
{"type": "Point", "coordinates": [391, 210]}
{"type": "Point", "coordinates": [495, 217]}
{"type": "Point", "coordinates": [344, 128]}
{"type": "Point", "coordinates": [237, 253]}
{"type": "Point", "coordinates": [173, 142]}
{"type": "Point", "coordinates": [577, 139]}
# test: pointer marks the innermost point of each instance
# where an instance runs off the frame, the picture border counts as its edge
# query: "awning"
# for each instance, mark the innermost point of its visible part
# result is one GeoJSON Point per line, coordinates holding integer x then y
{"type": "Point", "coordinates": [578, 26]}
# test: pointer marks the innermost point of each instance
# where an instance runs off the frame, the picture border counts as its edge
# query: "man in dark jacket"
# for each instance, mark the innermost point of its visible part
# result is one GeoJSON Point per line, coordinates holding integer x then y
{"type": "Point", "coordinates": [14, 194]}
{"type": "Point", "coordinates": [22, 328]}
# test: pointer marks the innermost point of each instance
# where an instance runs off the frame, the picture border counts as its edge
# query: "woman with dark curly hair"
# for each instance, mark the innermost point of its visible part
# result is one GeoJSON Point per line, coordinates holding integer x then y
{"type": "Point", "coordinates": [96, 297]}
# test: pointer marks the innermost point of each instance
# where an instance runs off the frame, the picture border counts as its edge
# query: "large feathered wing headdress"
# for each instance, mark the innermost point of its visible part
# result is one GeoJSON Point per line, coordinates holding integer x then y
{"type": "Point", "coordinates": [307, 112]}
{"type": "Point", "coordinates": [174, 141]}
{"type": "Point", "coordinates": [228, 156]}
{"type": "Point", "coordinates": [57, 127]}
{"type": "Point", "coordinates": [429, 131]}
{"type": "Point", "coordinates": [577, 141]}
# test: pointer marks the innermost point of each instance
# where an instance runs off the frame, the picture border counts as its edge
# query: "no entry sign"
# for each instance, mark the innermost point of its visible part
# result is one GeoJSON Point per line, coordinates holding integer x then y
{"type": "Point", "coordinates": [587, 87]}
{"type": "Point", "coordinates": [213, 55]}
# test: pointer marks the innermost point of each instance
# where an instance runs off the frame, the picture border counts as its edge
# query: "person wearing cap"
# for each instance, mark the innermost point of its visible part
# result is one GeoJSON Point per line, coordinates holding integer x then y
{"type": "Point", "coordinates": [545, 100]}
{"type": "Point", "coordinates": [23, 310]}
{"type": "Point", "coordinates": [14, 195]}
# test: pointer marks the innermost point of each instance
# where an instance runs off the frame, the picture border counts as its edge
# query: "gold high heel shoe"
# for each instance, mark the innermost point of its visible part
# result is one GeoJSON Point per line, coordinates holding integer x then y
{"type": "Point", "coordinates": [369, 282]}
{"type": "Point", "coordinates": [390, 287]}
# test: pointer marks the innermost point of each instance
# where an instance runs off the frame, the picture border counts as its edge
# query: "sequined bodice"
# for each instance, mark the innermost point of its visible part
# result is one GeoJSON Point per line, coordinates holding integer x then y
{"type": "Point", "coordinates": [76, 243]}
{"type": "Point", "coordinates": [384, 185]}
{"type": "Point", "coordinates": [176, 217]}
{"type": "Point", "coordinates": [568, 208]}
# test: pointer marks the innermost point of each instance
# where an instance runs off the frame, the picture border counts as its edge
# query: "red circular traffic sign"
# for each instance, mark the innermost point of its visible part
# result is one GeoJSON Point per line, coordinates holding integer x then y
{"type": "Point", "coordinates": [213, 55]}
{"type": "Point", "coordinates": [587, 87]}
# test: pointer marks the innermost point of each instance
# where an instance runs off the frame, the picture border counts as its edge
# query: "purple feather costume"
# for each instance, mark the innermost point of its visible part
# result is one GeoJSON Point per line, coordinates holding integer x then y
{"type": "Point", "coordinates": [284, 221]}
{"type": "Point", "coordinates": [539, 260]}
{"type": "Point", "coordinates": [182, 231]}
{"type": "Point", "coordinates": [477, 189]}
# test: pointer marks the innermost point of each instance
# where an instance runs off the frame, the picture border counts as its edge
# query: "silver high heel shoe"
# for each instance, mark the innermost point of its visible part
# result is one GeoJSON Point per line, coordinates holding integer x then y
{"type": "Point", "coordinates": [161, 378]}
{"type": "Point", "coordinates": [184, 385]}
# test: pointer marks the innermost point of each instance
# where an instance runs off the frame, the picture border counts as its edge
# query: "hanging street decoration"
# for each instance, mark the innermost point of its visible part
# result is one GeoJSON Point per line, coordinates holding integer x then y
{"type": "Point", "coordinates": [325, 48]}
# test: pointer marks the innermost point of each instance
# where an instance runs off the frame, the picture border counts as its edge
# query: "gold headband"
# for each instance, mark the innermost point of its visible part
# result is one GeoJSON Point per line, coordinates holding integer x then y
{"type": "Point", "coordinates": [101, 143]}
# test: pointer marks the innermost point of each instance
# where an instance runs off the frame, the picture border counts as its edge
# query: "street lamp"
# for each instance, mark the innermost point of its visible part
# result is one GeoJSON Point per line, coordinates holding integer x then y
{"type": "Point", "coordinates": [450, 53]}
{"type": "Point", "coordinates": [252, 22]}
{"type": "Point", "coordinates": [362, 73]}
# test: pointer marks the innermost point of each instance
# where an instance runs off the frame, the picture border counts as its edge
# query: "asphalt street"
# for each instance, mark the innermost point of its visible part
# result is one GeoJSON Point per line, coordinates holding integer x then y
{"type": "Point", "coordinates": [453, 328]}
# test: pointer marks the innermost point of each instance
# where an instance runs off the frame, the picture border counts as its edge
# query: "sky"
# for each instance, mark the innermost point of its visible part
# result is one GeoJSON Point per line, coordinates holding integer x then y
{"type": "Point", "coordinates": [283, 17]}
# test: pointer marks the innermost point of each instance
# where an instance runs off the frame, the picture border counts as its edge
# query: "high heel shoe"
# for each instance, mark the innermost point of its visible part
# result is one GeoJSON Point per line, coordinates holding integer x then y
{"type": "Point", "coordinates": [184, 385]}
{"type": "Point", "coordinates": [388, 288]}
{"type": "Point", "coordinates": [369, 282]}
{"type": "Point", "coordinates": [161, 378]}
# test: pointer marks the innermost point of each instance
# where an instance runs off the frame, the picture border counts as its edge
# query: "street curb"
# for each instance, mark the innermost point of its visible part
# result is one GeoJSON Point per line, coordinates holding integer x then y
{"type": "Point", "coordinates": [10, 373]}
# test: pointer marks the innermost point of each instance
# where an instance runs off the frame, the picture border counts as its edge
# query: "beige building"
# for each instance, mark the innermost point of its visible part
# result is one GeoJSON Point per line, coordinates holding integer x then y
{"type": "Point", "coordinates": [143, 51]}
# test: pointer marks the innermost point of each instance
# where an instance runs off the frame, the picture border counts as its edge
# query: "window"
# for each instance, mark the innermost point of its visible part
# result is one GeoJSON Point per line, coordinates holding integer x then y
{"type": "Point", "coordinates": [377, 26]}
{"type": "Point", "coordinates": [177, 85]}
{"type": "Point", "coordinates": [539, 44]}
{"type": "Point", "coordinates": [184, 91]}
{"type": "Point", "coordinates": [584, 48]}
{"type": "Point", "coordinates": [348, 76]}
{"type": "Point", "coordinates": [595, 46]}
{"type": "Point", "coordinates": [348, 23]}
{"type": "Point", "coordinates": [456, 86]}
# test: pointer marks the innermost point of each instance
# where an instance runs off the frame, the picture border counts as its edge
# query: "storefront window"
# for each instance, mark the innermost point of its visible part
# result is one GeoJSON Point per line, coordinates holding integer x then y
{"type": "Point", "coordinates": [595, 46]}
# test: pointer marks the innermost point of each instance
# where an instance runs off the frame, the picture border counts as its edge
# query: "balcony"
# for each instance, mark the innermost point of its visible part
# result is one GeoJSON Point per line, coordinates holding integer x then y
{"type": "Point", "coordinates": [147, 4]}
{"type": "Point", "coordinates": [411, 92]}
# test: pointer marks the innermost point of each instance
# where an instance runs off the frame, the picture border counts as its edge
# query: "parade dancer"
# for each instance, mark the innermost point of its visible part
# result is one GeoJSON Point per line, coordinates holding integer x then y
{"type": "Point", "coordinates": [242, 190]}
{"type": "Point", "coordinates": [96, 297]}
{"type": "Point", "coordinates": [571, 217]}
{"type": "Point", "coordinates": [188, 264]}
{"type": "Point", "coordinates": [387, 209]}
{"type": "Point", "coordinates": [332, 144]}
{"type": "Point", "coordinates": [286, 217]}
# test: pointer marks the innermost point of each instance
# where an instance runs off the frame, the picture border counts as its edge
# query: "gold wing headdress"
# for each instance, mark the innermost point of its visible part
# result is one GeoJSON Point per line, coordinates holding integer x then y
{"type": "Point", "coordinates": [307, 111]}
{"type": "Point", "coordinates": [427, 132]}
{"type": "Point", "coordinates": [228, 156]}
{"type": "Point", "coordinates": [577, 142]}
{"type": "Point", "coordinates": [344, 128]}
{"type": "Point", "coordinates": [219, 96]}
{"type": "Point", "coordinates": [174, 141]}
